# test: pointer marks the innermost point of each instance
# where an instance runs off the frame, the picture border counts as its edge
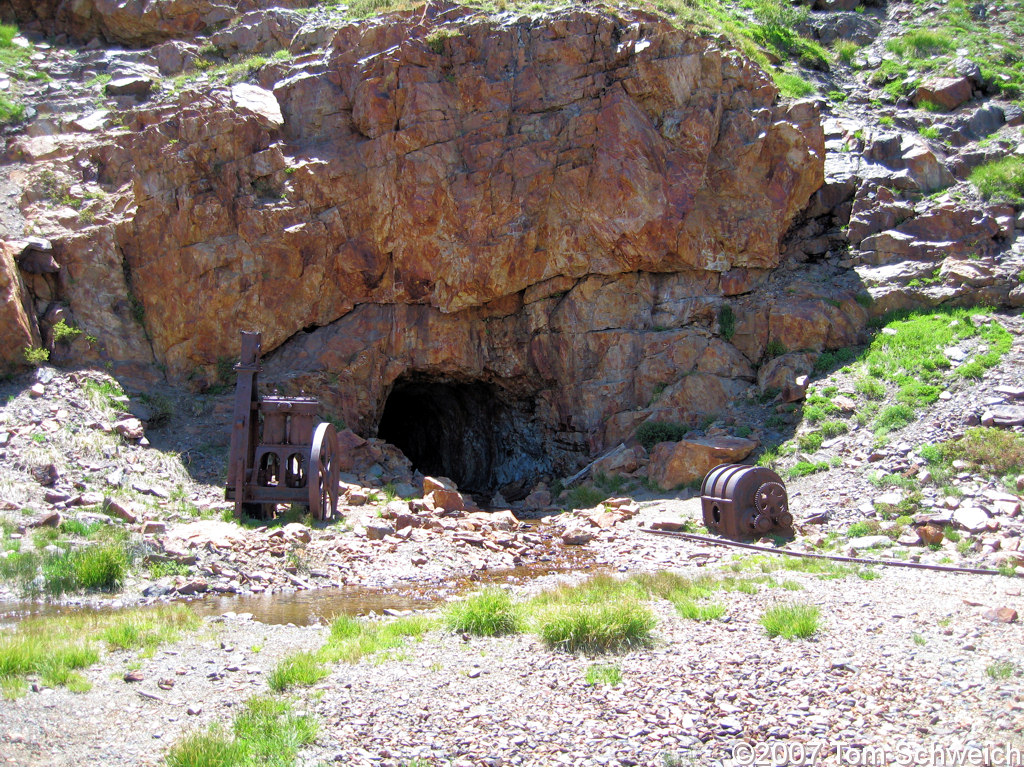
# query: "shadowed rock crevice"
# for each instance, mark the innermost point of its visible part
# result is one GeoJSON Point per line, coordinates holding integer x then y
{"type": "Point", "coordinates": [473, 432]}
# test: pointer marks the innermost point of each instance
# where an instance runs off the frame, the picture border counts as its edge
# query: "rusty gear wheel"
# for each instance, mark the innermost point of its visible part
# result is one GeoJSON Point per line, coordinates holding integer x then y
{"type": "Point", "coordinates": [770, 499]}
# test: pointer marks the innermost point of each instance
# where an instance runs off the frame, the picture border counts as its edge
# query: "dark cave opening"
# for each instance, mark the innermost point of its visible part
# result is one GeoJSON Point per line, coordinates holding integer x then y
{"type": "Point", "coordinates": [470, 431]}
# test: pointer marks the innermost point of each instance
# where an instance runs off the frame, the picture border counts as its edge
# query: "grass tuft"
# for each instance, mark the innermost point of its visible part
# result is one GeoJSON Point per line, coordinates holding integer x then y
{"type": "Point", "coordinates": [791, 620]}
{"type": "Point", "coordinates": [302, 668]}
{"type": "Point", "coordinates": [596, 628]}
{"type": "Point", "coordinates": [266, 732]}
{"type": "Point", "coordinates": [489, 613]}
{"type": "Point", "coordinates": [1001, 181]}
{"type": "Point", "coordinates": [603, 674]}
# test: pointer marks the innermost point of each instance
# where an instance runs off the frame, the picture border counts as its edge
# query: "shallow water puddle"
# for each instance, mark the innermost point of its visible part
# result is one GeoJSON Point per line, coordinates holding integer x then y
{"type": "Point", "coordinates": [319, 606]}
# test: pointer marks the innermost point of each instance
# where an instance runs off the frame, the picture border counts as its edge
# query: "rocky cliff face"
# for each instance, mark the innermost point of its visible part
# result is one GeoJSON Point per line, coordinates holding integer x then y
{"type": "Point", "coordinates": [578, 217]}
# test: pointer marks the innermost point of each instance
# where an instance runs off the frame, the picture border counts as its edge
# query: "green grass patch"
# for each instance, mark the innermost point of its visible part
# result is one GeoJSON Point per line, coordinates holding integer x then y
{"type": "Point", "coordinates": [490, 612]}
{"type": "Point", "coordinates": [830, 429]}
{"type": "Point", "coordinates": [791, 620]}
{"type": "Point", "coordinates": [793, 86]}
{"type": "Point", "coordinates": [590, 628]}
{"type": "Point", "coordinates": [603, 674]}
{"type": "Point", "coordinates": [1000, 181]}
{"type": "Point", "coordinates": [105, 394]}
{"type": "Point", "coordinates": [56, 648]}
{"type": "Point", "coordinates": [266, 732]}
{"type": "Point", "coordinates": [97, 567]}
{"type": "Point", "coordinates": [810, 442]}
{"type": "Point", "coordinates": [352, 639]}
{"type": "Point", "coordinates": [691, 609]}
{"type": "Point", "coordinates": [997, 451]}
{"type": "Point", "coordinates": [147, 629]}
{"type": "Point", "coordinates": [804, 468]}
{"type": "Point", "coordinates": [1001, 670]}
{"type": "Point", "coordinates": [303, 668]}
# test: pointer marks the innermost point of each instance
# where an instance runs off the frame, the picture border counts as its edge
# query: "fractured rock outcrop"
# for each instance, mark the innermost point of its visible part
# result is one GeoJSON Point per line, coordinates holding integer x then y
{"type": "Point", "coordinates": [581, 210]}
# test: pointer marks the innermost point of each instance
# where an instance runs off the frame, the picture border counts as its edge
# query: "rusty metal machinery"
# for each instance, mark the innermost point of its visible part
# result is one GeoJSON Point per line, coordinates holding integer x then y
{"type": "Point", "coordinates": [742, 502]}
{"type": "Point", "coordinates": [279, 454]}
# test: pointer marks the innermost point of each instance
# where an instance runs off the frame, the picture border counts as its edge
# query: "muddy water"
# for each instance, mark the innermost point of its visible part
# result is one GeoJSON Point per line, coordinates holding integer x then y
{"type": "Point", "coordinates": [318, 605]}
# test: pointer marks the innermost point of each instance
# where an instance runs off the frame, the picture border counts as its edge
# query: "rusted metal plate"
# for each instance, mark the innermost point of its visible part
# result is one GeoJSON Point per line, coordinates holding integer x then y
{"type": "Point", "coordinates": [741, 502]}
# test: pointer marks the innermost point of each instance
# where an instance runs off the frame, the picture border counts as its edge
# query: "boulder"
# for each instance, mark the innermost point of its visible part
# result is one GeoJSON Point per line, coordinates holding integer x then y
{"type": "Point", "coordinates": [869, 542]}
{"type": "Point", "coordinates": [259, 103]}
{"type": "Point", "coordinates": [946, 92]}
{"type": "Point", "coordinates": [217, 533]}
{"type": "Point", "coordinates": [576, 536]}
{"type": "Point", "coordinates": [297, 532]}
{"type": "Point", "coordinates": [926, 169]}
{"type": "Point", "coordinates": [676, 464]}
{"type": "Point", "coordinates": [378, 530]}
{"type": "Point", "coordinates": [133, 85]}
{"type": "Point", "coordinates": [174, 57]}
{"type": "Point", "coordinates": [972, 519]}
{"type": "Point", "coordinates": [264, 31]}
{"type": "Point", "coordinates": [442, 500]}
{"type": "Point", "coordinates": [781, 373]}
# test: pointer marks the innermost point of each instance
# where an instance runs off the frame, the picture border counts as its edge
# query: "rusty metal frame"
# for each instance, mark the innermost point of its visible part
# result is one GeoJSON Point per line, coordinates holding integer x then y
{"type": "Point", "coordinates": [279, 455]}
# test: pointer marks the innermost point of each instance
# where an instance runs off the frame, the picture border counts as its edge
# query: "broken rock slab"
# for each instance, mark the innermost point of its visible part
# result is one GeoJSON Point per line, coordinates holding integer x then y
{"type": "Point", "coordinates": [574, 535]}
{"type": "Point", "coordinates": [258, 102]}
{"type": "Point", "coordinates": [1003, 416]}
{"type": "Point", "coordinates": [676, 464]}
{"type": "Point", "coordinates": [972, 519]}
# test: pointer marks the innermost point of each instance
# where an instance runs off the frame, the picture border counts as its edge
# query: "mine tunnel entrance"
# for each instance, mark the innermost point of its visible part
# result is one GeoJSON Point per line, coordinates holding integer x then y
{"type": "Point", "coordinates": [470, 431]}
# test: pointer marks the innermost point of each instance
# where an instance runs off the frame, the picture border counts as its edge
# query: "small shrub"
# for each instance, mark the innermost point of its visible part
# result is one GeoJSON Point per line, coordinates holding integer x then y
{"type": "Point", "coordinates": [893, 417]}
{"type": "Point", "coordinates": [830, 429]}
{"type": "Point", "coordinates": [35, 355]}
{"type": "Point", "coordinates": [435, 40]}
{"type": "Point", "coordinates": [768, 458]}
{"type": "Point", "coordinates": [585, 497]}
{"type": "Point", "coordinates": [650, 433]}
{"type": "Point", "coordinates": [929, 132]}
{"type": "Point", "coordinates": [810, 442]}
{"type": "Point", "coordinates": [726, 322]}
{"type": "Point", "coordinates": [490, 613]}
{"type": "Point", "coordinates": [775, 348]}
{"type": "Point", "coordinates": [862, 528]}
{"type": "Point", "coordinates": [64, 332]}
{"type": "Point", "coordinates": [791, 620]}
{"type": "Point", "coordinates": [872, 389]}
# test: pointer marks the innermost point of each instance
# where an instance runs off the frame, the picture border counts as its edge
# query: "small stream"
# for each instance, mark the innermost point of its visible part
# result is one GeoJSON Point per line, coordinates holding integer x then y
{"type": "Point", "coordinates": [316, 606]}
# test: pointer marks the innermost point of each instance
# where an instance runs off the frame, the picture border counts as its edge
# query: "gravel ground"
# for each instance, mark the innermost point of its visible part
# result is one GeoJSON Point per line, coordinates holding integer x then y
{"type": "Point", "coordinates": [900, 664]}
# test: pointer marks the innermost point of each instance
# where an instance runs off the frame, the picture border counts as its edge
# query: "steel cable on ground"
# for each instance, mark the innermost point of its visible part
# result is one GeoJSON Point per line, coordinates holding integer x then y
{"type": "Point", "coordinates": [817, 556]}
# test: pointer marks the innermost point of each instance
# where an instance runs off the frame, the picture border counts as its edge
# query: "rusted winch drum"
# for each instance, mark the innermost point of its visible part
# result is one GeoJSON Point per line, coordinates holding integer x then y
{"type": "Point", "coordinates": [740, 501]}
